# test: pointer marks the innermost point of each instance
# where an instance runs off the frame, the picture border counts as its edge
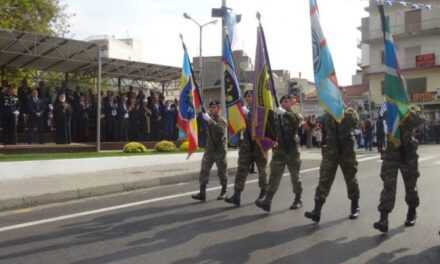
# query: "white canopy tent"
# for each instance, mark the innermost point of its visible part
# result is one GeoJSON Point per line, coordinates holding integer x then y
{"type": "Point", "coordinates": [23, 50]}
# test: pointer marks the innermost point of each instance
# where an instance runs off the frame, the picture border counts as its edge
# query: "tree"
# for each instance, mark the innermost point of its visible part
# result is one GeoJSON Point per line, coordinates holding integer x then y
{"type": "Point", "coordinates": [41, 16]}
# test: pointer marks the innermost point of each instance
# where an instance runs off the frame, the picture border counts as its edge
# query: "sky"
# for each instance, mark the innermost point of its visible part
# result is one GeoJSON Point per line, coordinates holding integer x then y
{"type": "Point", "coordinates": [157, 23]}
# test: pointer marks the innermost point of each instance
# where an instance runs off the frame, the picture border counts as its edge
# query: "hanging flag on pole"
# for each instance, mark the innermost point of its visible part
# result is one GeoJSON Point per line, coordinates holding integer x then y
{"type": "Point", "coordinates": [397, 103]}
{"type": "Point", "coordinates": [264, 93]}
{"type": "Point", "coordinates": [235, 115]}
{"type": "Point", "coordinates": [330, 96]}
{"type": "Point", "coordinates": [190, 103]}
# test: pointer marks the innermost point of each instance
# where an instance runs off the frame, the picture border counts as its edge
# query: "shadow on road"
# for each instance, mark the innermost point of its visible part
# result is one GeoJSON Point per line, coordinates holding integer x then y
{"type": "Point", "coordinates": [239, 251]}
{"type": "Point", "coordinates": [339, 250]}
{"type": "Point", "coordinates": [104, 228]}
{"type": "Point", "coordinates": [429, 256]}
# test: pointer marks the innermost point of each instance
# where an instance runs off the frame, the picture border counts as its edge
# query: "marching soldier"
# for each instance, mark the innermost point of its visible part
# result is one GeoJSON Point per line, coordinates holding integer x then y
{"type": "Point", "coordinates": [215, 151]}
{"type": "Point", "coordinates": [10, 109]}
{"type": "Point", "coordinates": [36, 108]}
{"type": "Point", "coordinates": [404, 158]}
{"type": "Point", "coordinates": [285, 153]}
{"type": "Point", "coordinates": [249, 153]}
{"type": "Point", "coordinates": [337, 150]}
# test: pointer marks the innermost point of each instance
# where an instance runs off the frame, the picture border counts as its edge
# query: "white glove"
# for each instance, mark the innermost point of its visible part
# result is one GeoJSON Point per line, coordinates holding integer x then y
{"type": "Point", "coordinates": [126, 116]}
{"type": "Point", "coordinates": [206, 117]}
{"type": "Point", "coordinates": [281, 111]}
{"type": "Point", "coordinates": [245, 110]}
{"type": "Point", "coordinates": [16, 112]}
{"type": "Point", "coordinates": [50, 106]}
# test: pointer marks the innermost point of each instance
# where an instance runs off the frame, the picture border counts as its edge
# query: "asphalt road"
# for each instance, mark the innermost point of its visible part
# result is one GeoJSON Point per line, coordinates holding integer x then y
{"type": "Point", "coordinates": [164, 225]}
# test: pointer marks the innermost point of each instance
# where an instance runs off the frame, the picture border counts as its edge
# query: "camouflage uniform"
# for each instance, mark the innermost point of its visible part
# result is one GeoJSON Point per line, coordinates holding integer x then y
{"type": "Point", "coordinates": [249, 153]}
{"type": "Point", "coordinates": [338, 149]}
{"type": "Point", "coordinates": [286, 153]}
{"type": "Point", "coordinates": [215, 151]}
{"type": "Point", "coordinates": [405, 159]}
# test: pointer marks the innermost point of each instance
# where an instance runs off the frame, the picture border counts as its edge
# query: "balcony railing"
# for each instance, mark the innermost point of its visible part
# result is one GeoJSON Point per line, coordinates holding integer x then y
{"type": "Point", "coordinates": [403, 29]}
{"type": "Point", "coordinates": [404, 65]}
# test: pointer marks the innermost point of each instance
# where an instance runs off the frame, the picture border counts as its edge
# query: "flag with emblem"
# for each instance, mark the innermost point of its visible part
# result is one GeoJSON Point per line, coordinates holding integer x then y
{"type": "Point", "coordinates": [396, 98]}
{"type": "Point", "coordinates": [235, 115]}
{"type": "Point", "coordinates": [330, 95]}
{"type": "Point", "coordinates": [190, 104]}
{"type": "Point", "coordinates": [263, 95]}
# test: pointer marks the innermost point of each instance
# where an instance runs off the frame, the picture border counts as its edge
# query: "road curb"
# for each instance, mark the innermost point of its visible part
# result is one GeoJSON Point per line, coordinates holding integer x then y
{"type": "Point", "coordinates": [70, 195]}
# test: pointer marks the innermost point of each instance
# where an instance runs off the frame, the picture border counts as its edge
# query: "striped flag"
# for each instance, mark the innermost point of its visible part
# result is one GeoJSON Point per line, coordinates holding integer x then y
{"type": "Point", "coordinates": [236, 118]}
{"type": "Point", "coordinates": [330, 96]}
{"type": "Point", "coordinates": [263, 95]}
{"type": "Point", "coordinates": [190, 104]}
{"type": "Point", "coordinates": [397, 103]}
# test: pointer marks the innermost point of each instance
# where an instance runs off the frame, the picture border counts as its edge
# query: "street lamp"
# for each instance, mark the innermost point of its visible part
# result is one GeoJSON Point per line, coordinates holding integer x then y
{"type": "Point", "coordinates": [201, 26]}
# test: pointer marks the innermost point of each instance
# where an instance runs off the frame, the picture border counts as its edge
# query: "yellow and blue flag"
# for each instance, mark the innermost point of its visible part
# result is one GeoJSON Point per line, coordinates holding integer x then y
{"type": "Point", "coordinates": [330, 96]}
{"type": "Point", "coordinates": [264, 94]}
{"type": "Point", "coordinates": [190, 104]}
{"type": "Point", "coordinates": [234, 104]}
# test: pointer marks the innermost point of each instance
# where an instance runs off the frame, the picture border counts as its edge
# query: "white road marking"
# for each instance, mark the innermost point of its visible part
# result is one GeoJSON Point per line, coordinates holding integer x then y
{"type": "Point", "coordinates": [427, 158]}
{"type": "Point", "coordinates": [129, 205]}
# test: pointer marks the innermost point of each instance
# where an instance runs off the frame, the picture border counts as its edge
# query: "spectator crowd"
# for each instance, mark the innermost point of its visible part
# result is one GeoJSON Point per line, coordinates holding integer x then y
{"type": "Point", "coordinates": [369, 133]}
{"type": "Point", "coordinates": [30, 115]}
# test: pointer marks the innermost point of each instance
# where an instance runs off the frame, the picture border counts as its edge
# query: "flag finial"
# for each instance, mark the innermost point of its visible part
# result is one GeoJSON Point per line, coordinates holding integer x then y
{"type": "Point", "coordinates": [259, 17]}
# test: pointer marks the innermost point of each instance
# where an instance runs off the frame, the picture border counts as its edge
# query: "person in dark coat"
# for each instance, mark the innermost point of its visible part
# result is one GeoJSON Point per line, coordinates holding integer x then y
{"type": "Point", "coordinates": [123, 118]}
{"type": "Point", "coordinates": [10, 111]}
{"type": "Point", "coordinates": [36, 108]}
{"type": "Point", "coordinates": [380, 134]}
{"type": "Point", "coordinates": [143, 114]}
{"type": "Point", "coordinates": [170, 120]}
{"type": "Point", "coordinates": [63, 119]}
{"type": "Point", "coordinates": [84, 109]}
{"type": "Point", "coordinates": [157, 117]}
{"type": "Point", "coordinates": [110, 111]}
{"type": "Point", "coordinates": [23, 93]}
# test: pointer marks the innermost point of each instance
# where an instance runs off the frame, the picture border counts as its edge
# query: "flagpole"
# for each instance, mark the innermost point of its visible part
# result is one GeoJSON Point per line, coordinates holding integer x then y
{"type": "Point", "coordinates": [222, 76]}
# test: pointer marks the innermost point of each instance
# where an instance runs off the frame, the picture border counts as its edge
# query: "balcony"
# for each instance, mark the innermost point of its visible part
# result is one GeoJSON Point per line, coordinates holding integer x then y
{"type": "Point", "coordinates": [426, 27]}
{"type": "Point", "coordinates": [409, 64]}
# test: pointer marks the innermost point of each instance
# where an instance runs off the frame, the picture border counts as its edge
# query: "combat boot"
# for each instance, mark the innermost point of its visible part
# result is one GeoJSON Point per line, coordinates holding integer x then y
{"type": "Point", "coordinates": [262, 194]}
{"type": "Point", "coordinates": [222, 194]}
{"type": "Point", "coordinates": [235, 199]}
{"type": "Point", "coordinates": [315, 215]}
{"type": "Point", "coordinates": [355, 211]}
{"type": "Point", "coordinates": [266, 203]}
{"type": "Point", "coordinates": [411, 217]}
{"type": "Point", "coordinates": [297, 203]}
{"type": "Point", "coordinates": [201, 196]}
{"type": "Point", "coordinates": [382, 224]}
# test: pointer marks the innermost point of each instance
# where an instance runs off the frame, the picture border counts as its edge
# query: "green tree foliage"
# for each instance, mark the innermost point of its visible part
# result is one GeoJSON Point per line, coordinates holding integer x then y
{"type": "Point", "coordinates": [41, 16]}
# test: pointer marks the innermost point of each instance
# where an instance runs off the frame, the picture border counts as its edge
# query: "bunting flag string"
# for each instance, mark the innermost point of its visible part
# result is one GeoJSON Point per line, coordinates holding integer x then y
{"type": "Point", "coordinates": [412, 5]}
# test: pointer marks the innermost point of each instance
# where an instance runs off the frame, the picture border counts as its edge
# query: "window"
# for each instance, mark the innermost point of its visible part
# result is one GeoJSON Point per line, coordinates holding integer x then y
{"type": "Point", "coordinates": [382, 57]}
{"type": "Point", "coordinates": [382, 87]}
{"type": "Point", "coordinates": [410, 56]}
{"type": "Point", "coordinates": [416, 86]}
{"type": "Point", "coordinates": [413, 21]}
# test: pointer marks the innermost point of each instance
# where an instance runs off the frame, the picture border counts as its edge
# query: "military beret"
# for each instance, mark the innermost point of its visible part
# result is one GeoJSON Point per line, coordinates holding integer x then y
{"type": "Point", "coordinates": [214, 103]}
{"type": "Point", "coordinates": [285, 97]}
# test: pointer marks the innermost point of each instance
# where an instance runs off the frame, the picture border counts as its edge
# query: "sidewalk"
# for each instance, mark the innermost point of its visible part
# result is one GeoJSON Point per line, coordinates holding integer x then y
{"type": "Point", "coordinates": [32, 183]}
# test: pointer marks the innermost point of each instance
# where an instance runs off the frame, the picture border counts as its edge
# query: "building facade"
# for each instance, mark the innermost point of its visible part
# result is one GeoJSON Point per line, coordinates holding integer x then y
{"type": "Point", "coordinates": [124, 49]}
{"type": "Point", "coordinates": [417, 37]}
{"type": "Point", "coordinates": [210, 82]}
